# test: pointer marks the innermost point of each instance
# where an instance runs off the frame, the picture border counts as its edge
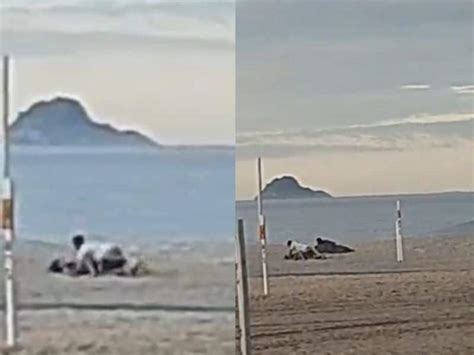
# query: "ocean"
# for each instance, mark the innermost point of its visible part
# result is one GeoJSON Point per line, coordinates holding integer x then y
{"type": "Point", "coordinates": [137, 197]}
{"type": "Point", "coordinates": [354, 219]}
{"type": "Point", "coordinates": [174, 196]}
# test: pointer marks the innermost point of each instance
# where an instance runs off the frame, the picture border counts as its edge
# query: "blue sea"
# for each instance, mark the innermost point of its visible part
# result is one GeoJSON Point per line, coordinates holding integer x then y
{"type": "Point", "coordinates": [141, 197]}
{"type": "Point", "coordinates": [187, 195]}
{"type": "Point", "coordinates": [354, 219]}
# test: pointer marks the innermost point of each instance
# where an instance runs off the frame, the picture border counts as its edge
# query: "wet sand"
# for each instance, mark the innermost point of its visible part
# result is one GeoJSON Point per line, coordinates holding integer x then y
{"type": "Point", "coordinates": [366, 302]}
{"type": "Point", "coordinates": [184, 306]}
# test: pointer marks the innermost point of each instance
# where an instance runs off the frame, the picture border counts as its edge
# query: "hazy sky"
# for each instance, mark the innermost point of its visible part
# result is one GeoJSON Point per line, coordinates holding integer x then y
{"type": "Point", "coordinates": [164, 67]}
{"type": "Point", "coordinates": [356, 97]}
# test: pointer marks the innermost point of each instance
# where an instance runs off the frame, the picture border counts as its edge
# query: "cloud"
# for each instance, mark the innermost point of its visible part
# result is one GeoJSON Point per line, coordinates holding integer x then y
{"type": "Point", "coordinates": [429, 118]}
{"type": "Point", "coordinates": [116, 25]}
{"type": "Point", "coordinates": [104, 5]}
{"type": "Point", "coordinates": [463, 90]}
{"type": "Point", "coordinates": [415, 87]}
{"type": "Point", "coordinates": [413, 119]}
{"type": "Point", "coordinates": [166, 68]}
{"type": "Point", "coordinates": [358, 53]}
{"type": "Point", "coordinates": [422, 131]}
{"type": "Point", "coordinates": [182, 21]}
{"type": "Point", "coordinates": [31, 43]}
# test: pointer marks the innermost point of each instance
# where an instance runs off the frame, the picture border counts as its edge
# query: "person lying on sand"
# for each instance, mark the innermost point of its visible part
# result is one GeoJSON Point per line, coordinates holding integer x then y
{"type": "Point", "coordinates": [298, 251]}
{"type": "Point", "coordinates": [98, 258]}
{"type": "Point", "coordinates": [68, 267]}
{"type": "Point", "coordinates": [330, 247]}
{"type": "Point", "coordinates": [71, 268]}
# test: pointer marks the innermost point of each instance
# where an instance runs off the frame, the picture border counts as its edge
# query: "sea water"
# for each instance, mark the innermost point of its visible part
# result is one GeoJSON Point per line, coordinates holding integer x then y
{"type": "Point", "coordinates": [354, 219]}
{"type": "Point", "coordinates": [138, 197]}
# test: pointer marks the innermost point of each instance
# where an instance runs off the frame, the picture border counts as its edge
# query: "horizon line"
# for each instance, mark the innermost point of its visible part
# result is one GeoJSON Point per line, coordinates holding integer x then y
{"type": "Point", "coordinates": [370, 195]}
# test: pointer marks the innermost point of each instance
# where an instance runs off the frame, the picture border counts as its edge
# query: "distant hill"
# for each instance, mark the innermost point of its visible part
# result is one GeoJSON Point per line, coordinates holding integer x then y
{"type": "Point", "coordinates": [287, 187]}
{"type": "Point", "coordinates": [64, 122]}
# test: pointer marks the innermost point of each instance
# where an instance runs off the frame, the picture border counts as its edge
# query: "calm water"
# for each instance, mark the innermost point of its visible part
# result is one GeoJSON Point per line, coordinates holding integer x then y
{"type": "Point", "coordinates": [359, 218]}
{"type": "Point", "coordinates": [151, 198]}
{"type": "Point", "coordinates": [182, 195]}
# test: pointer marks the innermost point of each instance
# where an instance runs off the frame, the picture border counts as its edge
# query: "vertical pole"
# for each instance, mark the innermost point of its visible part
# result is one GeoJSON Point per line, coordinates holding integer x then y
{"type": "Point", "coordinates": [259, 177]}
{"type": "Point", "coordinates": [8, 220]}
{"type": "Point", "coordinates": [262, 229]}
{"type": "Point", "coordinates": [6, 114]}
{"type": "Point", "coordinates": [398, 233]}
{"type": "Point", "coordinates": [242, 290]}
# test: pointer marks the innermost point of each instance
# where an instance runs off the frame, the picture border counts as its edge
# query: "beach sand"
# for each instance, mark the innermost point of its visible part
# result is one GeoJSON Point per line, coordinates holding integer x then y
{"type": "Point", "coordinates": [184, 306]}
{"type": "Point", "coordinates": [367, 303]}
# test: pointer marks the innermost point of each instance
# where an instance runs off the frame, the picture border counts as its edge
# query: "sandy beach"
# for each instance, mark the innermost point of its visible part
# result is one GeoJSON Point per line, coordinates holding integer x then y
{"type": "Point", "coordinates": [365, 302]}
{"type": "Point", "coordinates": [184, 306]}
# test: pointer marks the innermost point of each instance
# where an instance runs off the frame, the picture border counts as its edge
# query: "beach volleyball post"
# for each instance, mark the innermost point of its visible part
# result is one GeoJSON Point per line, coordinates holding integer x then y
{"type": "Point", "coordinates": [241, 280]}
{"type": "Point", "coordinates": [7, 219]}
{"type": "Point", "coordinates": [262, 234]}
{"type": "Point", "coordinates": [398, 233]}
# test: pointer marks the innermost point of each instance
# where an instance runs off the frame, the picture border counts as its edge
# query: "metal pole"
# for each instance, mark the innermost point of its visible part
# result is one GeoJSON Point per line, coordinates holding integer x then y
{"type": "Point", "coordinates": [6, 114]}
{"type": "Point", "coordinates": [8, 221]}
{"type": "Point", "coordinates": [242, 290]}
{"type": "Point", "coordinates": [398, 233]}
{"type": "Point", "coordinates": [259, 176]}
{"type": "Point", "coordinates": [262, 229]}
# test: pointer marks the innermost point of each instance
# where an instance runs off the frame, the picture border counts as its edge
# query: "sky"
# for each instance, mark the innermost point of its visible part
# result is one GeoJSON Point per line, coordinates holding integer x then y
{"type": "Point", "coordinates": [356, 97]}
{"type": "Point", "coordinates": [166, 68]}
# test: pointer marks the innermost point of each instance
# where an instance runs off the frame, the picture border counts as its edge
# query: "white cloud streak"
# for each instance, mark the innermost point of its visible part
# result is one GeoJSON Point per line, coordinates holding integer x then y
{"type": "Point", "coordinates": [463, 90]}
{"type": "Point", "coordinates": [416, 119]}
{"type": "Point", "coordinates": [429, 118]}
{"type": "Point", "coordinates": [415, 87]}
{"type": "Point", "coordinates": [419, 131]}
{"type": "Point", "coordinates": [116, 24]}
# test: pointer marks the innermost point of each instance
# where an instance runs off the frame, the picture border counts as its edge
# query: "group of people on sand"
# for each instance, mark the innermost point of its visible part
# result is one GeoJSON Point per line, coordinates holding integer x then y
{"type": "Point", "coordinates": [301, 251]}
{"type": "Point", "coordinates": [94, 259]}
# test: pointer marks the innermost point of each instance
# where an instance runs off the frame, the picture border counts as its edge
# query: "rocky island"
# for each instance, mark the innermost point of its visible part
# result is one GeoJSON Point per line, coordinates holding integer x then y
{"type": "Point", "coordinates": [288, 187]}
{"type": "Point", "coordinates": [64, 122]}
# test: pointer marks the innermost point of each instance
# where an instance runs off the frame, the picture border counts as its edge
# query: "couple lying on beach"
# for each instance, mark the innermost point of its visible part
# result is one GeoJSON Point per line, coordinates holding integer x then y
{"type": "Point", "coordinates": [301, 251]}
{"type": "Point", "coordinates": [94, 259]}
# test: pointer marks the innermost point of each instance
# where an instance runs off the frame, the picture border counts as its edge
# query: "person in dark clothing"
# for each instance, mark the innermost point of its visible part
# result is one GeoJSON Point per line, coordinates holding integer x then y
{"type": "Point", "coordinates": [330, 247]}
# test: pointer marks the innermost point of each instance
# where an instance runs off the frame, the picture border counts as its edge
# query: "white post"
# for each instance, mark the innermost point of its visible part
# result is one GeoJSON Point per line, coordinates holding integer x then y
{"type": "Point", "coordinates": [398, 233]}
{"type": "Point", "coordinates": [8, 221]}
{"type": "Point", "coordinates": [262, 229]}
{"type": "Point", "coordinates": [242, 290]}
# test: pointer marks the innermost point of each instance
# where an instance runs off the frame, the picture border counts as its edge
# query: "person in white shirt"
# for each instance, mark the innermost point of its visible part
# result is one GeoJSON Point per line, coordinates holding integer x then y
{"type": "Point", "coordinates": [96, 257]}
{"type": "Point", "coordinates": [299, 251]}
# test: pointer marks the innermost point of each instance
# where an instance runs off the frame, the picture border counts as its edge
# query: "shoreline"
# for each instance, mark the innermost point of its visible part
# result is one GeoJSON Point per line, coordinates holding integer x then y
{"type": "Point", "coordinates": [362, 196]}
